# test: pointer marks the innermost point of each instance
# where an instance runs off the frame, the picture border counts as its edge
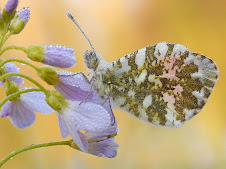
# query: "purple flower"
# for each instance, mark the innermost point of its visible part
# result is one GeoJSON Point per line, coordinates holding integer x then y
{"type": "Point", "coordinates": [72, 86]}
{"type": "Point", "coordinates": [97, 142]}
{"type": "Point", "coordinates": [21, 110]}
{"type": "Point", "coordinates": [103, 144]}
{"type": "Point", "coordinates": [75, 86]}
{"type": "Point", "coordinates": [19, 21]}
{"type": "Point", "coordinates": [12, 68]}
{"type": "Point", "coordinates": [54, 55]}
{"type": "Point", "coordinates": [59, 56]}
{"type": "Point", "coordinates": [88, 117]}
{"type": "Point", "coordinates": [24, 15]}
{"type": "Point", "coordinates": [11, 5]}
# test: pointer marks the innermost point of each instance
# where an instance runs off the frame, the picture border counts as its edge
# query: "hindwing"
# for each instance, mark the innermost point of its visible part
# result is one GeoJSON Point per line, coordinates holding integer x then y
{"type": "Point", "coordinates": [164, 84]}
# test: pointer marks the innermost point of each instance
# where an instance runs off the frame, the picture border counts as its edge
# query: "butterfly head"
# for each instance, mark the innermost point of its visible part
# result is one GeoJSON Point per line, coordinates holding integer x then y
{"type": "Point", "coordinates": [92, 59]}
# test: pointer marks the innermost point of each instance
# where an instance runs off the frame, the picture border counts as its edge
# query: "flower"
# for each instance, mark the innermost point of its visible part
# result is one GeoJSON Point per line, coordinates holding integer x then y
{"type": "Point", "coordinates": [12, 68]}
{"type": "Point", "coordinates": [54, 55]}
{"type": "Point", "coordinates": [11, 5]}
{"type": "Point", "coordinates": [103, 144]}
{"type": "Point", "coordinates": [24, 14]}
{"type": "Point", "coordinates": [21, 110]}
{"type": "Point", "coordinates": [20, 20]}
{"type": "Point", "coordinates": [88, 117]}
{"type": "Point", "coordinates": [99, 142]}
{"type": "Point", "coordinates": [76, 86]}
{"type": "Point", "coordinates": [73, 86]}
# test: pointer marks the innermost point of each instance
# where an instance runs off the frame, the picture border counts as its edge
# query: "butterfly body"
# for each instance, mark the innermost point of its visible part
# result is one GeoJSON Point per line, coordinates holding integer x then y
{"type": "Point", "coordinates": [163, 84]}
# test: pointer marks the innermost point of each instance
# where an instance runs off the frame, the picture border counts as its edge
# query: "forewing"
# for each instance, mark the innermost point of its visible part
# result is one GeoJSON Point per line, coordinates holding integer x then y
{"type": "Point", "coordinates": [164, 84]}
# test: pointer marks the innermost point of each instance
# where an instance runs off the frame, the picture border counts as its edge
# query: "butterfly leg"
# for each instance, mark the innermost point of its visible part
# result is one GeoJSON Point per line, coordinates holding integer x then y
{"type": "Point", "coordinates": [81, 73]}
{"type": "Point", "coordinates": [85, 77]}
{"type": "Point", "coordinates": [87, 94]}
{"type": "Point", "coordinates": [112, 114]}
{"type": "Point", "coordinates": [109, 102]}
{"type": "Point", "coordinates": [105, 101]}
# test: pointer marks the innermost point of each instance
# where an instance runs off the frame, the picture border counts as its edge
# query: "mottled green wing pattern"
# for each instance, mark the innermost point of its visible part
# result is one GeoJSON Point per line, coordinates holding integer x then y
{"type": "Point", "coordinates": [164, 84]}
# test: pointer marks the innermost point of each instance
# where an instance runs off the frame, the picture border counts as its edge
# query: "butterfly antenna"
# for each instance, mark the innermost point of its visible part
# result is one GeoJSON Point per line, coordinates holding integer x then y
{"type": "Point", "coordinates": [70, 16]}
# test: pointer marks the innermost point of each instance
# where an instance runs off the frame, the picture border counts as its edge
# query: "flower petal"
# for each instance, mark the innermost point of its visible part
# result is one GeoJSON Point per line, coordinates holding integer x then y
{"type": "Point", "coordinates": [59, 56]}
{"type": "Point", "coordinates": [24, 14]}
{"type": "Point", "coordinates": [11, 5]}
{"type": "Point", "coordinates": [74, 79]}
{"type": "Point", "coordinates": [36, 102]}
{"type": "Point", "coordinates": [21, 116]}
{"type": "Point", "coordinates": [106, 148]}
{"type": "Point", "coordinates": [76, 87]}
{"type": "Point", "coordinates": [83, 139]}
{"type": "Point", "coordinates": [77, 137]}
{"type": "Point", "coordinates": [71, 92]}
{"type": "Point", "coordinates": [72, 86]}
{"type": "Point", "coordinates": [63, 128]}
{"type": "Point", "coordinates": [6, 109]}
{"type": "Point", "coordinates": [87, 116]}
{"type": "Point", "coordinates": [12, 68]}
{"type": "Point", "coordinates": [95, 99]}
{"type": "Point", "coordinates": [97, 136]}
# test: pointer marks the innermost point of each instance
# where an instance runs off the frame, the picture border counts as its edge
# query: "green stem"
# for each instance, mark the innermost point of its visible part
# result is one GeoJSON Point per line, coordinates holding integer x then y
{"type": "Point", "coordinates": [14, 153]}
{"type": "Point", "coordinates": [25, 77]}
{"type": "Point", "coordinates": [17, 94]}
{"type": "Point", "coordinates": [2, 40]}
{"type": "Point", "coordinates": [20, 61]}
{"type": "Point", "coordinates": [7, 36]}
{"type": "Point", "coordinates": [13, 47]}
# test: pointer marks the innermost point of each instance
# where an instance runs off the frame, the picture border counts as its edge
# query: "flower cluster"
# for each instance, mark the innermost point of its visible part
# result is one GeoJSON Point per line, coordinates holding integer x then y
{"type": "Point", "coordinates": [80, 112]}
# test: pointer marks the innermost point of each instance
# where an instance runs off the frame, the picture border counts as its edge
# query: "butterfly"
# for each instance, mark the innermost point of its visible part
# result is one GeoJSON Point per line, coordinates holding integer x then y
{"type": "Point", "coordinates": [164, 84]}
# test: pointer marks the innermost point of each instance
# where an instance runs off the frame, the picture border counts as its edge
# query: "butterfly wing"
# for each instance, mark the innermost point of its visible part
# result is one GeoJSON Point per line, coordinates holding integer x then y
{"type": "Point", "coordinates": [164, 84]}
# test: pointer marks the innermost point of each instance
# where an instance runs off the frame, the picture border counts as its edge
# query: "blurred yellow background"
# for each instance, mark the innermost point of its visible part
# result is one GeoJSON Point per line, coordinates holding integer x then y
{"type": "Point", "coordinates": [117, 28]}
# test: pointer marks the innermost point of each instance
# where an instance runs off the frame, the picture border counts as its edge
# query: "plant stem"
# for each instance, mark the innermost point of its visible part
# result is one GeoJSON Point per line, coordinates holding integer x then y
{"type": "Point", "coordinates": [13, 47]}
{"type": "Point", "coordinates": [14, 153]}
{"type": "Point", "coordinates": [25, 77]}
{"type": "Point", "coordinates": [18, 93]}
{"type": "Point", "coordinates": [1, 43]}
{"type": "Point", "coordinates": [7, 36]}
{"type": "Point", "coordinates": [3, 38]}
{"type": "Point", "coordinates": [20, 61]}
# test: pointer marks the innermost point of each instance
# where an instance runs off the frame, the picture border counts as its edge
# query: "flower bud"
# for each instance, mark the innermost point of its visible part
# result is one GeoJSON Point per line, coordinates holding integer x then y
{"type": "Point", "coordinates": [56, 100]}
{"type": "Point", "coordinates": [19, 21]}
{"type": "Point", "coordinates": [54, 55]}
{"type": "Point", "coordinates": [10, 87]}
{"type": "Point", "coordinates": [9, 12]}
{"type": "Point", "coordinates": [11, 6]}
{"type": "Point", "coordinates": [54, 103]}
{"type": "Point", "coordinates": [49, 75]}
{"type": "Point", "coordinates": [35, 53]}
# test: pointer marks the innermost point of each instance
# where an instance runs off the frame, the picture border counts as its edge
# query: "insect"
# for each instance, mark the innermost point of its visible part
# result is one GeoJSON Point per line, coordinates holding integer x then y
{"type": "Point", "coordinates": [164, 84]}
